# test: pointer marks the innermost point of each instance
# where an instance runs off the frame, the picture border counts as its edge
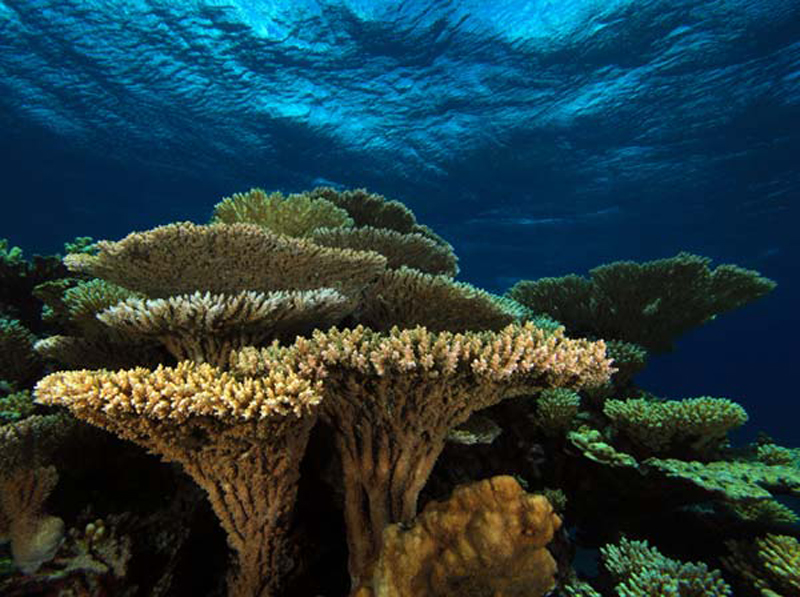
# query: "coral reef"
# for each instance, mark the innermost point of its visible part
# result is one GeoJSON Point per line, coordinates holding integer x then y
{"type": "Point", "coordinates": [328, 455]}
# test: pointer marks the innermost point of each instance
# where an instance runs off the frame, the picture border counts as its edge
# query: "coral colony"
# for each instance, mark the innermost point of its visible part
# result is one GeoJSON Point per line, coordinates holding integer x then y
{"type": "Point", "coordinates": [343, 417]}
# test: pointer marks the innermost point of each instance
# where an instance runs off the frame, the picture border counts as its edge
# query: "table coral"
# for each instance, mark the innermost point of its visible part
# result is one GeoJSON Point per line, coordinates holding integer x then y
{"type": "Point", "coordinates": [391, 399]}
{"type": "Point", "coordinates": [296, 215]}
{"type": "Point", "coordinates": [488, 538]}
{"type": "Point", "coordinates": [206, 327]}
{"type": "Point", "coordinates": [183, 258]}
{"type": "Point", "coordinates": [407, 298]}
{"type": "Point", "coordinates": [411, 249]}
{"type": "Point", "coordinates": [650, 304]}
{"type": "Point", "coordinates": [240, 440]}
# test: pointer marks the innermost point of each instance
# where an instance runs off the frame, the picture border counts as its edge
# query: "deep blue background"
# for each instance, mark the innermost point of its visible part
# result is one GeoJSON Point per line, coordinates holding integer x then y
{"type": "Point", "coordinates": [540, 138]}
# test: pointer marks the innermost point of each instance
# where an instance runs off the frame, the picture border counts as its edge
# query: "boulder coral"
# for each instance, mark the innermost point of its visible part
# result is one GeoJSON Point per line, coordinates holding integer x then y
{"type": "Point", "coordinates": [488, 538]}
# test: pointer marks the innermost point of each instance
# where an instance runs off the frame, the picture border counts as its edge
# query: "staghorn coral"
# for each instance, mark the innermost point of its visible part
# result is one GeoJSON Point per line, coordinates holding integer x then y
{"type": "Point", "coordinates": [34, 536]}
{"type": "Point", "coordinates": [556, 410]}
{"type": "Point", "coordinates": [19, 363]}
{"type": "Point", "coordinates": [412, 250]}
{"type": "Point", "coordinates": [296, 215]}
{"type": "Point", "coordinates": [732, 481]}
{"type": "Point", "coordinates": [649, 304]}
{"type": "Point", "coordinates": [406, 298]}
{"type": "Point", "coordinates": [488, 538]}
{"type": "Point", "coordinates": [642, 571]}
{"type": "Point", "coordinates": [240, 440]}
{"type": "Point", "coordinates": [207, 327]}
{"type": "Point", "coordinates": [700, 424]}
{"type": "Point", "coordinates": [225, 258]}
{"type": "Point", "coordinates": [770, 564]}
{"type": "Point", "coordinates": [391, 399]}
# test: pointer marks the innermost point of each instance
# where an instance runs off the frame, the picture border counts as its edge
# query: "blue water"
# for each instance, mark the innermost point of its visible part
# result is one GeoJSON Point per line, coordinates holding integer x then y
{"type": "Point", "coordinates": [540, 138]}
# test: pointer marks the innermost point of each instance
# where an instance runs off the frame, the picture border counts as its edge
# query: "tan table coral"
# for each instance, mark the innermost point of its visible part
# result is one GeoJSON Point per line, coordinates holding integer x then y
{"type": "Point", "coordinates": [411, 249]}
{"type": "Point", "coordinates": [184, 258]}
{"type": "Point", "coordinates": [295, 215]}
{"type": "Point", "coordinates": [392, 399]}
{"type": "Point", "coordinates": [240, 440]}
{"type": "Point", "coordinates": [488, 538]}
{"type": "Point", "coordinates": [206, 327]}
{"type": "Point", "coordinates": [407, 298]}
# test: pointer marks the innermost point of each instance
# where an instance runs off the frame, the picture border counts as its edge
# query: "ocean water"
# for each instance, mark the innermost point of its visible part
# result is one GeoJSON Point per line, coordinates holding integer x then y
{"type": "Point", "coordinates": [539, 138]}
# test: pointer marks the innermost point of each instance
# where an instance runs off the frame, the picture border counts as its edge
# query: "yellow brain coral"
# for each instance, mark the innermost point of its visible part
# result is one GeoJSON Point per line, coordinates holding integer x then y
{"type": "Point", "coordinates": [488, 538]}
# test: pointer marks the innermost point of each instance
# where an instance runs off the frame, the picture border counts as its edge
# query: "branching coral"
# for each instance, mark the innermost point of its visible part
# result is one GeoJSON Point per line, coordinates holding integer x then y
{"type": "Point", "coordinates": [411, 250]}
{"type": "Point", "coordinates": [732, 481]}
{"type": "Point", "coordinates": [15, 406]}
{"type": "Point", "coordinates": [488, 538]}
{"type": "Point", "coordinates": [19, 363]}
{"type": "Point", "coordinates": [642, 571]}
{"type": "Point", "coordinates": [392, 399]}
{"type": "Point", "coordinates": [650, 304]}
{"type": "Point", "coordinates": [207, 327]}
{"type": "Point", "coordinates": [770, 564]}
{"type": "Point", "coordinates": [295, 215]}
{"type": "Point", "coordinates": [406, 298]}
{"type": "Point", "coordinates": [699, 424]}
{"type": "Point", "coordinates": [556, 410]}
{"type": "Point", "coordinates": [240, 440]}
{"type": "Point", "coordinates": [225, 258]}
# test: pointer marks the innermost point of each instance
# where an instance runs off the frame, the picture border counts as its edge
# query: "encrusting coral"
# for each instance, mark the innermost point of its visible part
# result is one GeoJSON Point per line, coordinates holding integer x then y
{"type": "Point", "coordinates": [488, 538]}
{"type": "Point", "coordinates": [240, 440]}
{"type": "Point", "coordinates": [185, 258]}
{"type": "Point", "coordinates": [642, 571]}
{"type": "Point", "coordinates": [391, 400]}
{"type": "Point", "coordinates": [412, 250]}
{"type": "Point", "coordinates": [649, 304]}
{"type": "Point", "coordinates": [205, 327]}
{"type": "Point", "coordinates": [696, 424]}
{"type": "Point", "coordinates": [295, 215]}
